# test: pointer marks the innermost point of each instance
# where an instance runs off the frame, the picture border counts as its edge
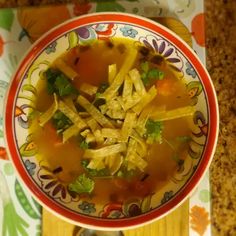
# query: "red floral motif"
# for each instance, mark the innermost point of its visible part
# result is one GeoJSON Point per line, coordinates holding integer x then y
{"type": "Point", "coordinates": [130, 208]}
{"type": "Point", "coordinates": [104, 30]}
{"type": "Point", "coordinates": [202, 124]}
{"type": "Point", "coordinates": [81, 8]}
{"type": "Point", "coordinates": [112, 210]}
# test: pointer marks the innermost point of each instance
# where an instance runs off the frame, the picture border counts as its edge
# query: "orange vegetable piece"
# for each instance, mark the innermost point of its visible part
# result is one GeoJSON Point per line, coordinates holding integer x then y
{"type": "Point", "coordinates": [198, 29]}
{"type": "Point", "coordinates": [37, 21]}
{"type": "Point", "coordinates": [165, 87]}
{"type": "Point", "coordinates": [52, 134]}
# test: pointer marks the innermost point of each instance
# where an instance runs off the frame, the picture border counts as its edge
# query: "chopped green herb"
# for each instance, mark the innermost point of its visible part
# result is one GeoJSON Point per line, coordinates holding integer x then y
{"type": "Point", "coordinates": [102, 87]}
{"type": "Point", "coordinates": [154, 131]}
{"type": "Point", "coordinates": [82, 184]}
{"type": "Point", "coordinates": [51, 75]}
{"type": "Point", "coordinates": [126, 174]}
{"type": "Point", "coordinates": [149, 75]}
{"type": "Point", "coordinates": [99, 101]}
{"type": "Point", "coordinates": [61, 121]}
{"type": "Point", "coordinates": [93, 172]}
{"type": "Point", "coordinates": [58, 83]}
{"type": "Point", "coordinates": [84, 145]}
{"type": "Point", "coordinates": [97, 95]}
{"type": "Point", "coordinates": [155, 74]}
{"type": "Point", "coordinates": [145, 67]}
{"type": "Point", "coordinates": [63, 86]}
{"type": "Point", "coordinates": [82, 142]}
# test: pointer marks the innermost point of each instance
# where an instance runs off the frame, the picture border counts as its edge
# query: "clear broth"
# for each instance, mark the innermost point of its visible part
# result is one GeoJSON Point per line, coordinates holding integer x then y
{"type": "Point", "coordinates": [92, 68]}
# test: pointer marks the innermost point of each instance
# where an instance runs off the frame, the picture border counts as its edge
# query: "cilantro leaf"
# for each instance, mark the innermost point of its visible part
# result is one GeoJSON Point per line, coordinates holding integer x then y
{"type": "Point", "coordinates": [144, 78]}
{"type": "Point", "coordinates": [153, 131]}
{"type": "Point", "coordinates": [61, 121]}
{"type": "Point", "coordinates": [84, 145]}
{"type": "Point", "coordinates": [155, 74]}
{"type": "Point", "coordinates": [82, 142]}
{"type": "Point", "coordinates": [82, 184]}
{"type": "Point", "coordinates": [58, 83]}
{"type": "Point", "coordinates": [93, 172]}
{"type": "Point", "coordinates": [102, 87]}
{"type": "Point", "coordinates": [145, 67]}
{"type": "Point", "coordinates": [149, 75]}
{"type": "Point", "coordinates": [63, 86]}
{"type": "Point", "coordinates": [126, 174]}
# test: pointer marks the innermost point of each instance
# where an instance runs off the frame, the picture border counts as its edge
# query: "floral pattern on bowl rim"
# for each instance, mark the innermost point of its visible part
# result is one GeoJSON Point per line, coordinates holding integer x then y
{"type": "Point", "coordinates": [44, 185]}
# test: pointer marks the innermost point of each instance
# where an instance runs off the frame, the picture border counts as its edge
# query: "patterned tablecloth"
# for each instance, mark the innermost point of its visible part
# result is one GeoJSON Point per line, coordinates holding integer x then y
{"type": "Point", "coordinates": [19, 213]}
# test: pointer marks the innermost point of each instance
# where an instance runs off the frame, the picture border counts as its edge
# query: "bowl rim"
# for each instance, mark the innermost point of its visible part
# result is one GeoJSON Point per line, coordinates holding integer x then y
{"type": "Point", "coordinates": [90, 221]}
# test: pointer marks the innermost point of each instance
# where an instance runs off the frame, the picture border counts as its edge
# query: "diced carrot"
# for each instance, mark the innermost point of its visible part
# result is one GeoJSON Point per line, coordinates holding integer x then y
{"type": "Point", "coordinates": [165, 87]}
{"type": "Point", "coordinates": [52, 134]}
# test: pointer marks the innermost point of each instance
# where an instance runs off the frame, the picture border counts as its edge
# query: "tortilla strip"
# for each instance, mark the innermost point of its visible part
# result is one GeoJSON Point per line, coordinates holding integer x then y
{"type": "Point", "coordinates": [138, 83]}
{"type": "Point", "coordinates": [94, 112]}
{"type": "Point", "coordinates": [146, 99]}
{"type": "Point", "coordinates": [173, 114]}
{"type": "Point", "coordinates": [119, 79]}
{"type": "Point", "coordinates": [112, 71]}
{"type": "Point", "coordinates": [67, 70]}
{"type": "Point", "coordinates": [128, 87]}
{"type": "Point", "coordinates": [69, 102]}
{"type": "Point", "coordinates": [105, 151]}
{"type": "Point", "coordinates": [70, 132]}
{"type": "Point", "coordinates": [47, 115]}
{"type": "Point", "coordinates": [73, 116]}
{"type": "Point", "coordinates": [88, 89]}
{"type": "Point", "coordinates": [110, 133]}
{"type": "Point", "coordinates": [136, 161]}
{"type": "Point", "coordinates": [128, 125]}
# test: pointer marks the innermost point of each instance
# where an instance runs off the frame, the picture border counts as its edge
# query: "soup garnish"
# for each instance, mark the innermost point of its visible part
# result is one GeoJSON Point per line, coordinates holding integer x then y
{"type": "Point", "coordinates": [114, 117]}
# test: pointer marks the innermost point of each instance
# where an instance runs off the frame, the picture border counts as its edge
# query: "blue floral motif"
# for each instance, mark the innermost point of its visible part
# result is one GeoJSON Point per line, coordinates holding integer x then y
{"type": "Point", "coordinates": [167, 196]}
{"type": "Point", "coordinates": [30, 166]}
{"type": "Point", "coordinates": [87, 207]}
{"type": "Point", "coordinates": [128, 31]}
{"type": "Point", "coordinates": [190, 70]}
{"type": "Point", "coordinates": [51, 48]}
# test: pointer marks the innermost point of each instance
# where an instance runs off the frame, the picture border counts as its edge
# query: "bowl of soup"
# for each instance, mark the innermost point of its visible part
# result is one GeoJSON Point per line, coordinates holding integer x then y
{"type": "Point", "coordinates": [111, 121]}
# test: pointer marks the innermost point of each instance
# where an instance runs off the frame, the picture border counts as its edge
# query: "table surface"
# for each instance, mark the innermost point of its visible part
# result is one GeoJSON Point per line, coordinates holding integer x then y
{"type": "Point", "coordinates": [55, 226]}
{"type": "Point", "coordinates": [221, 64]}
